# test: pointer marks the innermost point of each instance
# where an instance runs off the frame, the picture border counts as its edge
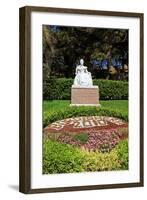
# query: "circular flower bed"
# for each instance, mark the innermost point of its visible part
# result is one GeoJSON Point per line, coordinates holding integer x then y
{"type": "Point", "coordinates": [85, 123]}
{"type": "Point", "coordinates": [92, 133]}
{"type": "Point", "coordinates": [103, 140]}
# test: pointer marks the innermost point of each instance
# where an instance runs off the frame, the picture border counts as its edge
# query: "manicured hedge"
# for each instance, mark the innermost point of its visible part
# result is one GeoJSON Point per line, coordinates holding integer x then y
{"type": "Point", "coordinates": [81, 111]}
{"type": "Point", "coordinates": [112, 89]}
{"type": "Point", "coordinates": [64, 158]}
{"type": "Point", "coordinates": [57, 89]}
{"type": "Point", "coordinates": [122, 152]}
{"type": "Point", "coordinates": [61, 89]}
{"type": "Point", "coordinates": [61, 158]}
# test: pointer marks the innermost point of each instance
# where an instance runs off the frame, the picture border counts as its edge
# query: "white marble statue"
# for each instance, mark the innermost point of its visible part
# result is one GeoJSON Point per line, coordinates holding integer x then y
{"type": "Point", "coordinates": [83, 77]}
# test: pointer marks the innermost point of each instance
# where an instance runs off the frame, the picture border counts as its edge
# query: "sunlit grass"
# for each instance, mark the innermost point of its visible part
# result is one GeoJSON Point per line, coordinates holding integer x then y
{"type": "Point", "coordinates": [61, 105]}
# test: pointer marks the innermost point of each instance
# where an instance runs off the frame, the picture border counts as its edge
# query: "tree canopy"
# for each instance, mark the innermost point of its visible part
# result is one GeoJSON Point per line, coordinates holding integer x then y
{"type": "Point", "coordinates": [63, 47]}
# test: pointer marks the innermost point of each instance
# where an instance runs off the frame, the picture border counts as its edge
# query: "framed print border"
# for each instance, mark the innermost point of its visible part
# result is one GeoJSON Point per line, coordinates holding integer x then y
{"type": "Point", "coordinates": [25, 98]}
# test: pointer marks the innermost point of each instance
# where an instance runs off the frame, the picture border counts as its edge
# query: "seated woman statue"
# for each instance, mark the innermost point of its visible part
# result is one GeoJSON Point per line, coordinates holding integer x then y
{"type": "Point", "coordinates": [83, 77]}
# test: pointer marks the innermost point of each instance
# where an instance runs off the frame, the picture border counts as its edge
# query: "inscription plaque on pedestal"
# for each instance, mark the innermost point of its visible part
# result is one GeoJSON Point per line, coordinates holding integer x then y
{"type": "Point", "coordinates": [85, 96]}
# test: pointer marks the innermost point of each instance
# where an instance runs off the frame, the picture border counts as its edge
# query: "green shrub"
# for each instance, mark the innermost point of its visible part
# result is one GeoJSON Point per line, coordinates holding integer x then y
{"type": "Point", "coordinates": [122, 152]}
{"type": "Point", "coordinates": [112, 89]}
{"type": "Point", "coordinates": [61, 158]}
{"type": "Point", "coordinates": [61, 89]}
{"type": "Point", "coordinates": [57, 89]}
{"type": "Point", "coordinates": [81, 137]}
{"type": "Point", "coordinates": [81, 111]}
{"type": "Point", "coordinates": [116, 159]}
{"type": "Point", "coordinates": [96, 161]}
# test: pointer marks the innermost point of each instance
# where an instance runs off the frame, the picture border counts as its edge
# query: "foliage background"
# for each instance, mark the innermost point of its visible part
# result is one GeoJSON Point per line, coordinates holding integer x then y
{"type": "Point", "coordinates": [64, 46]}
{"type": "Point", "coordinates": [61, 89]}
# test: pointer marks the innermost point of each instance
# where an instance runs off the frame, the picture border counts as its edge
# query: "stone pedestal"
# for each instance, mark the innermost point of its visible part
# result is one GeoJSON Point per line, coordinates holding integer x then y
{"type": "Point", "coordinates": [87, 96]}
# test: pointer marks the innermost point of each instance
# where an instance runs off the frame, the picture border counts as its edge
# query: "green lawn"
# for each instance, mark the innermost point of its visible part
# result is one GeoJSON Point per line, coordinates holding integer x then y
{"type": "Point", "coordinates": [116, 105]}
{"type": "Point", "coordinates": [61, 105]}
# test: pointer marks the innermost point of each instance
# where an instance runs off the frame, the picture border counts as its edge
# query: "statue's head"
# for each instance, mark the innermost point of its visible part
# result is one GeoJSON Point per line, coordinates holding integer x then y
{"type": "Point", "coordinates": [81, 61]}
